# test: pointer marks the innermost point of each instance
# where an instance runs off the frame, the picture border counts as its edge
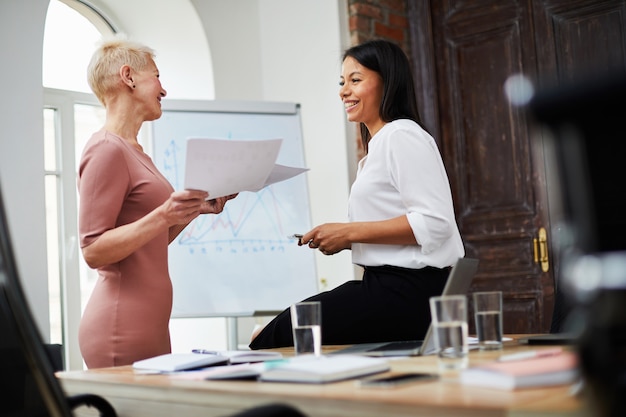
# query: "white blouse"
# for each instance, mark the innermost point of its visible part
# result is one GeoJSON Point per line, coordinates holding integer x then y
{"type": "Point", "coordinates": [403, 174]}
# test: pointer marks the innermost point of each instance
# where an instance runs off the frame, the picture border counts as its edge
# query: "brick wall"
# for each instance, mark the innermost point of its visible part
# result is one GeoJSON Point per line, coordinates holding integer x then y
{"type": "Point", "coordinates": [379, 19]}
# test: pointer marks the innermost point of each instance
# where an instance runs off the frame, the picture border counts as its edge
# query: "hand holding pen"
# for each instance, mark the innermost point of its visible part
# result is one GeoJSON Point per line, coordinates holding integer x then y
{"type": "Point", "coordinates": [310, 243]}
{"type": "Point", "coordinates": [329, 238]}
{"type": "Point", "coordinates": [297, 236]}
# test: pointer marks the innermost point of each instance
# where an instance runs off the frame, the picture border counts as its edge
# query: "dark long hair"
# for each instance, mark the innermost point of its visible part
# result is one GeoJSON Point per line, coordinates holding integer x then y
{"type": "Point", "coordinates": [390, 61]}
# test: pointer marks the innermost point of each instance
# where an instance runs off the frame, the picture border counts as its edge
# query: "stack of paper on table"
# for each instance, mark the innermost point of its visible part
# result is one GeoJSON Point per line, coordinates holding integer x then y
{"type": "Point", "coordinates": [266, 366]}
{"type": "Point", "coordinates": [247, 356]}
{"type": "Point", "coordinates": [540, 371]}
{"type": "Point", "coordinates": [309, 369]}
{"type": "Point", "coordinates": [323, 369]}
{"type": "Point", "coordinates": [225, 167]}
{"type": "Point", "coordinates": [172, 362]}
{"type": "Point", "coordinates": [238, 371]}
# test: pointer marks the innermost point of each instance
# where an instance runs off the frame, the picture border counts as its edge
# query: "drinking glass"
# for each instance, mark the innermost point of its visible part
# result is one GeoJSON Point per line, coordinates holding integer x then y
{"type": "Point", "coordinates": [488, 319]}
{"type": "Point", "coordinates": [449, 319]}
{"type": "Point", "coordinates": [306, 323]}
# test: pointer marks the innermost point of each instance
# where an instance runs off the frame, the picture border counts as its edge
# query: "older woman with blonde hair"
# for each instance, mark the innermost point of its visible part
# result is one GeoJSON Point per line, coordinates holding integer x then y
{"type": "Point", "coordinates": [129, 213]}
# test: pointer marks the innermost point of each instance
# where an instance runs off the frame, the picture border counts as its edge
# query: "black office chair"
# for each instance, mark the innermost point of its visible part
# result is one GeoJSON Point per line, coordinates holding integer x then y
{"type": "Point", "coordinates": [270, 410]}
{"type": "Point", "coordinates": [28, 384]}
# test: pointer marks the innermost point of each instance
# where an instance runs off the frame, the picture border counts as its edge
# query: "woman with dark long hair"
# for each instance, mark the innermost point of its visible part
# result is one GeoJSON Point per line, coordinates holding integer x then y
{"type": "Point", "coordinates": [402, 228]}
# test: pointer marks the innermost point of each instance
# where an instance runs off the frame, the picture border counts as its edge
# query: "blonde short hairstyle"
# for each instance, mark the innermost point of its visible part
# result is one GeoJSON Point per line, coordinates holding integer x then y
{"type": "Point", "coordinates": [110, 55]}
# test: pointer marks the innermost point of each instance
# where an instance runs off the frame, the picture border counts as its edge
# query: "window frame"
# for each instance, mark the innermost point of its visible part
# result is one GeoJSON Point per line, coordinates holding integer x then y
{"type": "Point", "coordinates": [63, 102]}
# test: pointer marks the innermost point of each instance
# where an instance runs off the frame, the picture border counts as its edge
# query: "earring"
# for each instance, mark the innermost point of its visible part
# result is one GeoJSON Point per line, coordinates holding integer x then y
{"type": "Point", "coordinates": [133, 85]}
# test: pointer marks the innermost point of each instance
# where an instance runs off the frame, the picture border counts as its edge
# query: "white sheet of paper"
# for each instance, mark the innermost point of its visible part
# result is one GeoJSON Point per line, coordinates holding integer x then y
{"type": "Point", "coordinates": [282, 173]}
{"type": "Point", "coordinates": [224, 167]}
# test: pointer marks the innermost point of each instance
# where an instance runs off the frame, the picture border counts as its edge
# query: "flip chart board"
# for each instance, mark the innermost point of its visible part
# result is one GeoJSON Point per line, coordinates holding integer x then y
{"type": "Point", "coordinates": [240, 261]}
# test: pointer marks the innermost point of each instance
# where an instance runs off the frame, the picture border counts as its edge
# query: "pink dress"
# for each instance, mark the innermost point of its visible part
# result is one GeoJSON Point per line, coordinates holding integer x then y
{"type": "Point", "coordinates": [127, 316]}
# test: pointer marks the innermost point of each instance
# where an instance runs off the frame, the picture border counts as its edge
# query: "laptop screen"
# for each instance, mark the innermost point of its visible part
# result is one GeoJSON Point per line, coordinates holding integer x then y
{"type": "Point", "coordinates": [28, 386]}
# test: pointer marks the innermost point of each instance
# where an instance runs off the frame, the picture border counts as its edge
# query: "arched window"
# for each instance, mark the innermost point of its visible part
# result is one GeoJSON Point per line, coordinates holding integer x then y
{"type": "Point", "coordinates": [69, 40]}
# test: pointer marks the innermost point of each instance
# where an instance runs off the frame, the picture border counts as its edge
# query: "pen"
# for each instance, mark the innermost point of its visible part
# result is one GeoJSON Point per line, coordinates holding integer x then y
{"type": "Point", "coordinates": [205, 352]}
{"type": "Point", "coordinates": [530, 354]}
{"type": "Point", "coordinates": [297, 236]}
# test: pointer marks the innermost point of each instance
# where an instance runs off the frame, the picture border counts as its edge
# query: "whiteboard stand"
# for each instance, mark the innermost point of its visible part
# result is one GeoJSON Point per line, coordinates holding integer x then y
{"type": "Point", "coordinates": [232, 333]}
{"type": "Point", "coordinates": [232, 342]}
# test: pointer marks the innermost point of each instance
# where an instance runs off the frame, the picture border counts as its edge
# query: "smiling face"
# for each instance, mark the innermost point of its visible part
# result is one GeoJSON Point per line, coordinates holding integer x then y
{"type": "Point", "coordinates": [148, 91]}
{"type": "Point", "coordinates": [361, 92]}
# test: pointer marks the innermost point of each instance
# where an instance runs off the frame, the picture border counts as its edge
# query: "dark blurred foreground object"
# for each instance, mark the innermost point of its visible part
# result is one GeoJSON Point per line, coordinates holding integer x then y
{"type": "Point", "coordinates": [587, 122]}
{"type": "Point", "coordinates": [602, 350]}
{"type": "Point", "coordinates": [271, 410]}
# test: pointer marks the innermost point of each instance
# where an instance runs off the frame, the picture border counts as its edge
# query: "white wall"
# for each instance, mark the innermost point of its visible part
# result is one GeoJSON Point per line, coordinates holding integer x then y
{"type": "Point", "coordinates": [274, 50]}
{"type": "Point", "coordinates": [301, 47]}
{"type": "Point", "coordinates": [21, 144]}
{"type": "Point", "coordinates": [173, 29]}
{"type": "Point", "coordinates": [232, 30]}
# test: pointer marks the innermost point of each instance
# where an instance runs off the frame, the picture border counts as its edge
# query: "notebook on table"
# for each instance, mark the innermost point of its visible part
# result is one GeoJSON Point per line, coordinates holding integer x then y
{"type": "Point", "coordinates": [311, 369]}
{"type": "Point", "coordinates": [458, 283]}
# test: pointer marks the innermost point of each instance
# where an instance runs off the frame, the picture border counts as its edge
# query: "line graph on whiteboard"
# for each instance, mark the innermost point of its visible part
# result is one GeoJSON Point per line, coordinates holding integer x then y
{"type": "Point", "coordinates": [252, 223]}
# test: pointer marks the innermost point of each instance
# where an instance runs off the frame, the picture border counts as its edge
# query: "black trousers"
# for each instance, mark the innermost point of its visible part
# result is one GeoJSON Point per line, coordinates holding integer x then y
{"type": "Point", "coordinates": [390, 303]}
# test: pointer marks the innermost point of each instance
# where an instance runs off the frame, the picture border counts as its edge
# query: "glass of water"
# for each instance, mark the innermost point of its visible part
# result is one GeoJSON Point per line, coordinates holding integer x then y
{"type": "Point", "coordinates": [306, 324]}
{"type": "Point", "coordinates": [488, 319]}
{"type": "Point", "coordinates": [449, 319]}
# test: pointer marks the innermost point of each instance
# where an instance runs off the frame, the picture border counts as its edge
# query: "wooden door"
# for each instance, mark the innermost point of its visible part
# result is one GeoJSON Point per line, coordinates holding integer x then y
{"type": "Point", "coordinates": [463, 52]}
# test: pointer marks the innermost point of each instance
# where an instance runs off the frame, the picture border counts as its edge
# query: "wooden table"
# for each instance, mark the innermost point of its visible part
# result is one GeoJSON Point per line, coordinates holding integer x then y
{"type": "Point", "coordinates": [139, 395]}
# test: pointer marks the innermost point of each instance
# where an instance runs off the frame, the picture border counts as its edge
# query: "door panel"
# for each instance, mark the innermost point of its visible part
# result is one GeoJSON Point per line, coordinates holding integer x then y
{"type": "Point", "coordinates": [583, 38]}
{"type": "Point", "coordinates": [486, 147]}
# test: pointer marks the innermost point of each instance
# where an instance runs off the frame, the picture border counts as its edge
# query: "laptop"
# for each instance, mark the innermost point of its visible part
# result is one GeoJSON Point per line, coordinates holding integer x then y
{"type": "Point", "coordinates": [458, 283]}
